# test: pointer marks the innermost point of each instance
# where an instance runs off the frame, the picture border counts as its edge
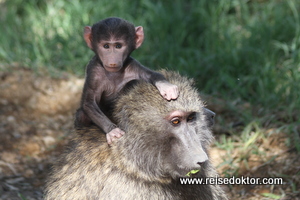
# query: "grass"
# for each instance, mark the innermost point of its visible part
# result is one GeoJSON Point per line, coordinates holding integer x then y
{"type": "Point", "coordinates": [245, 52]}
{"type": "Point", "coordinates": [246, 144]}
{"type": "Point", "coordinates": [258, 152]}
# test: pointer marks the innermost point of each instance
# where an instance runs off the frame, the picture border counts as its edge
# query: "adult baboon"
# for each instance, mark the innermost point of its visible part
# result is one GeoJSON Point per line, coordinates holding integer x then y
{"type": "Point", "coordinates": [164, 141]}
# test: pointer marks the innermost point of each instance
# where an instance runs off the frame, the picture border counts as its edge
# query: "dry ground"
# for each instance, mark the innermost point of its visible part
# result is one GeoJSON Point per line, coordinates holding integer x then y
{"type": "Point", "coordinates": [36, 119]}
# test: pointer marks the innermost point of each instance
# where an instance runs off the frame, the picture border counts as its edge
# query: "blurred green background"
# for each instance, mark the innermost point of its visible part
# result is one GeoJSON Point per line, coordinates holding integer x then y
{"type": "Point", "coordinates": [234, 49]}
{"type": "Point", "coordinates": [237, 50]}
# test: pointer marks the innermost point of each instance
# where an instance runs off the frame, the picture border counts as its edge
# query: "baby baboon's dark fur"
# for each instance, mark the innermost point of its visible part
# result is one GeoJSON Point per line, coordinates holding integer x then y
{"type": "Point", "coordinates": [137, 166]}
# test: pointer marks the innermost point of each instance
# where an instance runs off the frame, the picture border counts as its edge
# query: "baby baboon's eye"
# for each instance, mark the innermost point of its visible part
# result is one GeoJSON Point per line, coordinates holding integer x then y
{"type": "Point", "coordinates": [118, 46]}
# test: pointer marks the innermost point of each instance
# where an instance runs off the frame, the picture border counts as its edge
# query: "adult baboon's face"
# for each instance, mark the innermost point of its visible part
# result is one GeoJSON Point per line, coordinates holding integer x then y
{"type": "Point", "coordinates": [170, 145]}
{"type": "Point", "coordinates": [185, 151]}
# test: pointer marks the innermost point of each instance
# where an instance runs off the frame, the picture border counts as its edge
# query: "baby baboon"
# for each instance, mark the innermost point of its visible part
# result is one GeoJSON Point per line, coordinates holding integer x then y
{"type": "Point", "coordinates": [113, 39]}
{"type": "Point", "coordinates": [164, 141]}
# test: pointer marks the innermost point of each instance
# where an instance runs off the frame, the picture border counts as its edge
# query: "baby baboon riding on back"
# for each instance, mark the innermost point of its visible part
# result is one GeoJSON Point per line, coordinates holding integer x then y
{"type": "Point", "coordinates": [113, 40]}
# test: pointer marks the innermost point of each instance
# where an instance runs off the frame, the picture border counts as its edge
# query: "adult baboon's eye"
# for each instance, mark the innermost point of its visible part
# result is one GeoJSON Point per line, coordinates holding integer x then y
{"type": "Point", "coordinates": [191, 117]}
{"type": "Point", "coordinates": [175, 121]}
{"type": "Point", "coordinates": [106, 46]}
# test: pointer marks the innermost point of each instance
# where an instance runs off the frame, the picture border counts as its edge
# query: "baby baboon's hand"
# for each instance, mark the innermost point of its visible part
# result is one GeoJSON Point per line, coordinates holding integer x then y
{"type": "Point", "coordinates": [113, 135]}
{"type": "Point", "coordinates": [167, 90]}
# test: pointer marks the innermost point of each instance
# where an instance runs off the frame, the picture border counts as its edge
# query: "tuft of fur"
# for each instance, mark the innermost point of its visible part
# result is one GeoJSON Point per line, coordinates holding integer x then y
{"type": "Point", "coordinates": [134, 167]}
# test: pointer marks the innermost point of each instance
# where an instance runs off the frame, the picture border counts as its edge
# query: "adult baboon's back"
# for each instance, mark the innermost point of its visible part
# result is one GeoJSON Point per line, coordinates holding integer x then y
{"type": "Point", "coordinates": [164, 140]}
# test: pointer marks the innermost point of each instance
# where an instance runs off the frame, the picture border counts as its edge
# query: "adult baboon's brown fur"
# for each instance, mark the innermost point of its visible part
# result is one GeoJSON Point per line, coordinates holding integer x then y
{"type": "Point", "coordinates": [143, 164]}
